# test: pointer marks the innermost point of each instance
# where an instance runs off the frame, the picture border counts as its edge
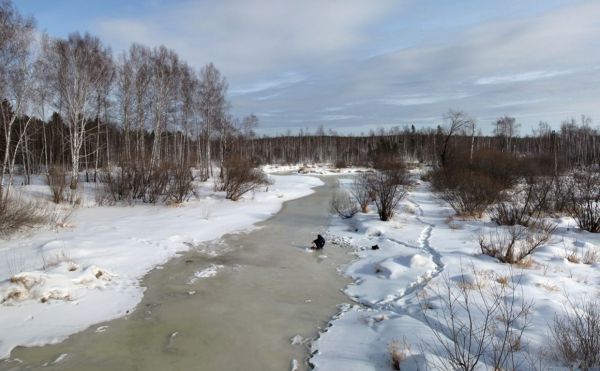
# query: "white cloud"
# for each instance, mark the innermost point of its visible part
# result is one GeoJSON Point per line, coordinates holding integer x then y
{"type": "Point", "coordinates": [284, 81]}
{"type": "Point", "coordinates": [520, 77]}
{"type": "Point", "coordinates": [252, 36]}
{"type": "Point", "coordinates": [517, 65]}
{"type": "Point", "coordinates": [416, 100]}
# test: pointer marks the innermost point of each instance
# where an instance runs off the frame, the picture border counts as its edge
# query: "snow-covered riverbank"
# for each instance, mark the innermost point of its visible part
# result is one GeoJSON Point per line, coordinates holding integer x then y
{"type": "Point", "coordinates": [399, 288]}
{"type": "Point", "coordinates": [55, 283]}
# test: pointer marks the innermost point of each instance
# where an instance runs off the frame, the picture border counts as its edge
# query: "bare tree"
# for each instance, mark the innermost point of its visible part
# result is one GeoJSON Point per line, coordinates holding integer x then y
{"type": "Point", "coordinates": [213, 105]}
{"type": "Point", "coordinates": [164, 85]}
{"type": "Point", "coordinates": [455, 121]}
{"type": "Point", "coordinates": [77, 71]}
{"type": "Point", "coordinates": [16, 84]}
{"type": "Point", "coordinates": [506, 128]}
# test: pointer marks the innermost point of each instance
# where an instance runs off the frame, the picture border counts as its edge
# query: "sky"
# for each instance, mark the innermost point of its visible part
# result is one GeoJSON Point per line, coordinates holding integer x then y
{"type": "Point", "coordinates": [358, 65]}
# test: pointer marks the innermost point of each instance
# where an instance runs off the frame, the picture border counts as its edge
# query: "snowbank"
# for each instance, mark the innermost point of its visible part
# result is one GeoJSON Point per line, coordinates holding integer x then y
{"type": "Point", "coordinates": [53, 284]}
{"type": "Point", "coordinates": [312, 169]}
{"type": "Point", "coordinates": [397, 287]}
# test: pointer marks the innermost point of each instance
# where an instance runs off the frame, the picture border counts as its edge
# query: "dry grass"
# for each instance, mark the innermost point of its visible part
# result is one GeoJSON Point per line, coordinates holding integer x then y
{"type": "Point", "coordinates": [502, 280]}
{"type": "Point", "coordinates": [527, 263]}
{"type": "Point", "coordinates": [576, 335]}
{"type": "Point", "coordinates": [17, 214]}
{"type": "Point", "coordinates": [572, 256]}
{"type": "Point", "coordinates": [57, 259]}
{"type": "Point", "coordinates": [399, 352]}
{"type": "Point", "coordinates": [591, 256]}
{"type": "Point", "coordinates": [452, 223]}
{"type": "Point", "coordinates": [549, 286]}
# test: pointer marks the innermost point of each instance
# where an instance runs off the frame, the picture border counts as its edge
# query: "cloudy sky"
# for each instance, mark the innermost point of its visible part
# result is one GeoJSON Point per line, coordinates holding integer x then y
{"type": "Point", "coordinates": [354, 65]}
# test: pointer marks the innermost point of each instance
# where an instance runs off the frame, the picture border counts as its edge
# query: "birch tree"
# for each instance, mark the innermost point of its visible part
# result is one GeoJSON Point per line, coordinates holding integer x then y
{"type": "Point", "coordinates": [213, 104]}
{"type": "Point", "coordinates": [77, 71]}
{"type": "Point", "coordinates": [16, 84]}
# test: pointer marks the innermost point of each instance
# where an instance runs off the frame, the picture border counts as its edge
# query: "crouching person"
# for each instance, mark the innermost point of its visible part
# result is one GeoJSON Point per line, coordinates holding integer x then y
{"type": "Point", "coordinates": [318, 243]}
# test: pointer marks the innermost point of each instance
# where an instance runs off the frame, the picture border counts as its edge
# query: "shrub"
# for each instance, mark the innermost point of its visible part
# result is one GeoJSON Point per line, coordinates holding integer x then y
{"type": "Point", "coordinates": [172, 182]}
{"type": "Point", "coordinates": [156, 183]}
{"type": "Point", "coordinates": [181, 184]}
{"type": "Point", "coordinates": [57, 181]}
{"type": "Point", "coordinates": [239, 178]}
{"type": "Point", "coordinates": [576, 335]}
{"type": "Point", "coordinates": [585, 200]}
{"type": "Point", "coordinates": [476, 322]}
{"type": "Point", "coordinates": [512, 244]}
{"type": "Point", "coordinates": [340, 164]}
{"type": "Point", "coordinates": [361, 191]}
{"type": "Point", "coordinates": [343, 205]}
{"type": "Point", "coordinates": [504, 169]}
{"type": "Point", "coordinates": [469, 193]}
{"type": "Point", "coordinates": [17, 213]}
{"type": "Point", "coordinates": [389, 189]}
{"type": "Point", "coordinates": [524, 204]}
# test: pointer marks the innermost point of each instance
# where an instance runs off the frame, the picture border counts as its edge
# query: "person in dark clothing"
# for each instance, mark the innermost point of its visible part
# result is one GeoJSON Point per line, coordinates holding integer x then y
{"type": "Point", "coordinates": [318, 243]}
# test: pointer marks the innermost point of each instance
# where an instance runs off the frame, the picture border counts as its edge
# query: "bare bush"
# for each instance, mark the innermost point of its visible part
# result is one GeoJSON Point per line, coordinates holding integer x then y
{"type": "Point", "coordinates": [389, 189]}
{"type": "Point", "coordinates": [181, 185]}
{"type": "Point", "coordinates": [361, 191]}
{"type": "Point", "coordinates": [469, 193]}
{"type": "Point", "coordinates": [576, 335]}
{"type": "Point", "coordinates": [340, 164]}
{"type": "Point", "coordinates": [523, 205]}
{"type": "Point", "coordinates": [124, 184]}
{"type": "Point", "coordinates": [343, 205]}
{"type": "Point", "coordinates": [57, 181]}
{"type": "Point", "coordinates": [560, 195]}
{"type": "Point", "coordinates": [512, 212]}
{"type": "Point", "coordinates": [512, 244]}
{"type": "Point", "coordinates": [172, 182]}
{"type": "Point", "coordinates": [239, 178]}
{"type": "Point", "coordinates": [585, 200]}
{"type": "Point", "coordinates": [16, 214]}
{"type": "Point", "coordinates": [477, 323]}
{"type": "Point", "coordinates": [156, 183]}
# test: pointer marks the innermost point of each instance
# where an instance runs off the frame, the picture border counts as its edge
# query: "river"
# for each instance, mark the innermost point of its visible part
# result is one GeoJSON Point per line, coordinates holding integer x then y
{"type": "Point", "coordinates": [266, 289]}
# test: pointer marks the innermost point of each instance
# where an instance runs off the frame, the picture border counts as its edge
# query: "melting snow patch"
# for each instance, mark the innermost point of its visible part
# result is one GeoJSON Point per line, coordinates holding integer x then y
{"type": "Point", "coordinates": [59, 283]}
{"type": "Point", "coordinates": [298, 340]}
{"type": "Point", "coordinates": [60, 358]}
{"type": "Point", "coordinates": [206, 273]}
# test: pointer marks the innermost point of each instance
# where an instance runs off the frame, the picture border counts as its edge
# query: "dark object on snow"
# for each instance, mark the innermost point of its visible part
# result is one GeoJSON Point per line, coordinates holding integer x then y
{"type": "Point", "coordinates": [318, 243]}
{"type": "Point", "coordinates": [375, 247]}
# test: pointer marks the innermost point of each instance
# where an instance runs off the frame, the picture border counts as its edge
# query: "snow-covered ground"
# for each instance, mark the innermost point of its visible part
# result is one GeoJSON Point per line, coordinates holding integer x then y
{"type": "Point", "coordinates": [54, 283]}
{"type": "Point", "coordinates": [314, 169]}
{"type": "Point", "coordinates": [399, 288]}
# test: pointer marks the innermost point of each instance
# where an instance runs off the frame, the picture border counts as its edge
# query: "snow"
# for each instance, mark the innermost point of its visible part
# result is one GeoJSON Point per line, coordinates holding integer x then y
{"type": "Point", "coordinates": [211, 271]}
{"type": "Point", "coordinates": [396, 288]}
{"type": "Point", "coordinates": [313, 169]}
{"type": "Point", "coordinates": [54, 283]}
